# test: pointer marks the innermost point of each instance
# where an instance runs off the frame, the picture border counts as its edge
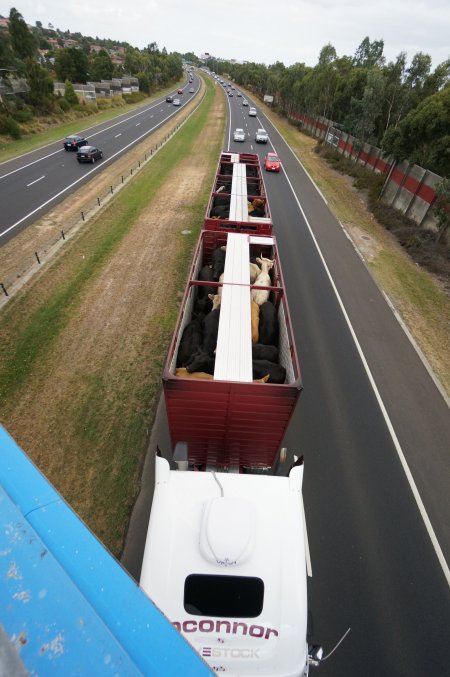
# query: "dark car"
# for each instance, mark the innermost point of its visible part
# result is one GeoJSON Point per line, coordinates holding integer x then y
{"type": "Point", "coordinates": [74, 142]}
{"type": "Point", "coordinates": [89, 154]}
{"type": "Point", "coordinates": [169, 99]}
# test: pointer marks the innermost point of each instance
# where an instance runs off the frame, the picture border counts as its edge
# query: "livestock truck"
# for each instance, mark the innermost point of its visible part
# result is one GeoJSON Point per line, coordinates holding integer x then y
{"type": "Point", "coordinates": [238, 200]}
{"type": "Point", "coordinates": [226, 549]}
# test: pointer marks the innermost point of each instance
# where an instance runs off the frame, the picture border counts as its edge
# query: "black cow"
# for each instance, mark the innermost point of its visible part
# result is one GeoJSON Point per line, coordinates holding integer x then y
{"type": "Point", "coordinates": [191, 341]}
{"type": "Point", "coordinates": [210, 331]}
{"type": "Point", "coordinates": [277, 372]}
{"type": "Point", "coordinates": [201, 361]}
{"type": "Point", "coordinates": [268, 324]}
{"type": "Point", "coordinates": [220, 212]}
{"type": "Point", "coordinates": [263, 352]}
{"type": "Point", "coordinates": [203, 303]}
{"type": "Point", "coordinates": [218, 262]}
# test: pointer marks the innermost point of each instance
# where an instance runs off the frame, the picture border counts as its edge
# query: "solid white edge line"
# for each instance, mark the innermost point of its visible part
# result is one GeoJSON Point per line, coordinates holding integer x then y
{"type": "Point", "coordinates": [389, 425]}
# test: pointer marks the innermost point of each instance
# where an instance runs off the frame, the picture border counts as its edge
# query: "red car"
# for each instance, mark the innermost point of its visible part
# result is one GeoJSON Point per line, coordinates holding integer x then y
{"type": "Point", "coordinates": [180, 91]}
{"type": "Point", "coordinates": [272, 163]}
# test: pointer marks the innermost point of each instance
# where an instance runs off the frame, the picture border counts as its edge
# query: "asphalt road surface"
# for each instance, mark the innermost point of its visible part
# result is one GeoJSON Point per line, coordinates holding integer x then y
{"type": "Point", "coordinates": [375, 433]}
{"type": "Point", "coordinates": [32, 184]}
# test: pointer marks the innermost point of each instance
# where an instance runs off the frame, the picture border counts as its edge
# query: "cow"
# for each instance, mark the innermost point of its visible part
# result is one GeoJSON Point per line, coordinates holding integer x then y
{"type": "Point", "coordinates": [201, 361]}
{"type": "Point", "coordinates": [211, 326]}
{"type": "Point", "coordinates": [268, 324]}
{"type": "Point", "coordinates": [220, 212]}
{"type": "Point", "coordinates": [255, 270]}
{"type": "Point", "coordinates": [181, 372]}
{"type": "Point", "coordinates": [260, 296]}
{"type": "Point", "coordinates": [276, 372]}
{"type": "Point", "coordinates": [203, 304]}
{"type": "Point", "coordinates": [191, 340]}
{"type": "Point", "coordinates": [218, 261]}
{"type": "Point", "coordinates": [263, 352]}
{"type": "Point", "coordinates": [254, 310]}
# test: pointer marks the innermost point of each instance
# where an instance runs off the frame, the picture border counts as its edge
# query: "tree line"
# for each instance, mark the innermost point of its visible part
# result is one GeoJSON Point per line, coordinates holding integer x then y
{"type": "Point", "coordinates": [402, 108]}
{"type": "Point", "coordinates": [27, 54]}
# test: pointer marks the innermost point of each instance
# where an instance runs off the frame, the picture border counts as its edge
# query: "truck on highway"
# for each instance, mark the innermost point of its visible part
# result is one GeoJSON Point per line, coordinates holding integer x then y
{"type": "Point", "coordinates": [226, 551]}
{"type": "Point", "coordinates": [238, 200]}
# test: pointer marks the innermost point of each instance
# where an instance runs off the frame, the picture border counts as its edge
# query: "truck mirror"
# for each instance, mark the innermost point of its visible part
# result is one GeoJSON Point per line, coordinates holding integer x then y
{"type": "Point", "coordinates": [180, 455]}
{"type": "Point", "coordinates": [315, 654]}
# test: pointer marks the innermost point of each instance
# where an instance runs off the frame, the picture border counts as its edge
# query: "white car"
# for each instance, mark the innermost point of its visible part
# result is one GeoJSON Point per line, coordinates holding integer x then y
{"type": "Point", "coordinates": [261, 135]}
{"type": "Point", "coordinates": [244, 102]}
{"type": "Point", "coordinates": [176, 102]}
{"type": "Point", "coordinates": [252, 112]}
{"type": "Point", "coordinates": [239, 135]}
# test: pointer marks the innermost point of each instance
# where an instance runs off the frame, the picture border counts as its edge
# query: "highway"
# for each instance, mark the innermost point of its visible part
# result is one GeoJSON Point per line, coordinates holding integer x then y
{"type": "Point", "coordinates": [375, 433]}
{"type": "Point", "coordinates": [371, 423]}
{"type": "Point", "coordinates": [34, 183]}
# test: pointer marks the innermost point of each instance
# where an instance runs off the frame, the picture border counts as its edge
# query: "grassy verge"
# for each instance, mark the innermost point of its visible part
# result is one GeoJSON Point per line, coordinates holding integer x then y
{"type": "Point", "coordinates": [417, 295]}
{"type": "Point", "coordinates": [85, 424]}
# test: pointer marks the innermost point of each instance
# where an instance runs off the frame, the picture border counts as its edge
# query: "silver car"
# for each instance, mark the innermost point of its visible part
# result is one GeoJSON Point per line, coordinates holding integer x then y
{"type": "Point", "coordinates": [176, 102]}
{"type": "Point", "coordinates": [252, 112]}
{"type": "Point", "coordinates": [239, 134]}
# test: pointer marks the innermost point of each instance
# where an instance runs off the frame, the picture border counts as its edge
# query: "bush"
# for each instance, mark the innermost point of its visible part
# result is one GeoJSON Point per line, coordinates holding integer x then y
{"type": "Point", "coordinates": [23, 115]}
{"type": "Point", "coordinates": [63, 105]}
{"type": "Point", "coordinates": [10, 127]}
{"type": "Point", "coordinates": [134, 97]}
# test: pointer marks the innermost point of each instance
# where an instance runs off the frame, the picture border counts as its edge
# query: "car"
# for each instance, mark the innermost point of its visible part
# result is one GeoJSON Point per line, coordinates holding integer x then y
{"type": "Point", "coordinates": [89, 154]}
{"type": "Point", "coordinates": [239, 94]}
{"type": "Point", "coordinates": [180, 91]}
{"type": "Point", "coordinates": [252, 112]}
{"type": "Point", "coordinates": [169, 99]}
{"type": "Point", "coordinates": [74, 142]}
{"type": "Point", "coordinates": [244, 102]}
{"type": "Point", "coordinates": [230, 93]}
{"type": "Point", "coordinates": [272, 163]}
{"type": "Point", "coordinates": [261, 135]}
{"type": "Point", "coordinates": [176, 102]}
{"type": "Point", "coordinates": [191, 90]}
{"type": "Point", "coordinates": [239, 134]}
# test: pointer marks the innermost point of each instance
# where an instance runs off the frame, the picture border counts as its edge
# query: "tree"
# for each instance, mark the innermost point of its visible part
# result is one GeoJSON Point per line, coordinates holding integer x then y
{"type": "Point", "coordinates": [101, 67]}
{"type": "Point", "coordinates": [423, 136]}
{"type": "Point", "coordinates": [69, 93]}
{"type": "Point", "coordinates": [71, 64]}
{"type": "Point", "coordinates": [441, 207]}
{"type": "Point", "coordinates": [22, 41]}
{"type": "Point", "coordinates": [41, 86]}
{"type": "Point", "coordinates": [369, 54]}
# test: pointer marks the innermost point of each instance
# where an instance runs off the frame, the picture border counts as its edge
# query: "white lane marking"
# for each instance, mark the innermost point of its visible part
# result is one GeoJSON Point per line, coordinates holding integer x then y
{"type": "Point", "coordinates": [39, 179]}
{"type": "Point", "coordinates": [94, 169]}
{"type": "Point", "coordinates": [3, 176]}
{"type": "Point", "coordinates": [137, 124]}
{"type": "Point", "coordinates": [117, 135]}
{"type": "Point", "coordinates": [390, 427]}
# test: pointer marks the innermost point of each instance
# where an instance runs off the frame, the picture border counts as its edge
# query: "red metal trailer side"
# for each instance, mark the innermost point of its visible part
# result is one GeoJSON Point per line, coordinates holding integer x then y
{"type": "Point", "coordinates": [232, 423]}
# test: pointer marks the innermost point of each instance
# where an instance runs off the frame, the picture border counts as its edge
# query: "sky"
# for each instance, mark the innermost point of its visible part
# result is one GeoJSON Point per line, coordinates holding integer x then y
{"type": "Point", "coordinates": [290, 31]}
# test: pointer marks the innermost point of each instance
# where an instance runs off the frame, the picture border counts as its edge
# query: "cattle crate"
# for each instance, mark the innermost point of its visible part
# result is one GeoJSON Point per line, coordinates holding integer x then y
{"type": "Point", "coordinates": [238, 201]}
{"type": "Point", "coordinates": [230, 421]}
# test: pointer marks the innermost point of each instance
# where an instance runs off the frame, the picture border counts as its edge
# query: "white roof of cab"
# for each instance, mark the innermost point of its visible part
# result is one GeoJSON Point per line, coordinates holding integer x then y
{"type": "Point", "coordinates": [195, 530]}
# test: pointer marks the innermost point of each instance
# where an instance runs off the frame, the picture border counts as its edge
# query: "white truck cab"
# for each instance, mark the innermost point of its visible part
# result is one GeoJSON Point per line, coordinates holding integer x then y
{"type": "Point", "coordinates": [225, 560]}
